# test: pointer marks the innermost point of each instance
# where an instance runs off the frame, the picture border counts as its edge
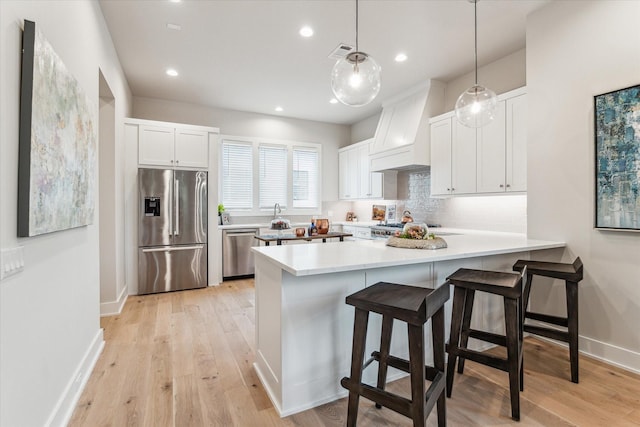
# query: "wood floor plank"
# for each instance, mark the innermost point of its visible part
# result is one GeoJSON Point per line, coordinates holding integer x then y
{"type": "Point", "coordinates": [186, 359]}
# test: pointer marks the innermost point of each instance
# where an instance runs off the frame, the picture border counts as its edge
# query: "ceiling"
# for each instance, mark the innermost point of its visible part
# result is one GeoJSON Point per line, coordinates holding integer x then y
{"type": "Point", "coordinates": [248, 56]}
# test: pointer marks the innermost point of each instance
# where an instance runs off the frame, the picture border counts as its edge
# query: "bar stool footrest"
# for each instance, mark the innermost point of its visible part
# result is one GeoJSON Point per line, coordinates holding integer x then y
{"type": "Point", "coordinates": [430, 373]}
{"type": "Point", "coordinates": [554, 320]}
{"type": "Point", "coordinates": [488, 337]}
{"type": "Point", "coordinates": [547, 332]}
{"type": "Point", "coordinates": [476, 356]}
{"type": "Point", "coordinates": [392, 401]}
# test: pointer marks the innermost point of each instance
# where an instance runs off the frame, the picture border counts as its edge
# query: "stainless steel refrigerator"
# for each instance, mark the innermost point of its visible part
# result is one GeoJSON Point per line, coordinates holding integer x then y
{"type": "Point", "coordinates": [172, 230]}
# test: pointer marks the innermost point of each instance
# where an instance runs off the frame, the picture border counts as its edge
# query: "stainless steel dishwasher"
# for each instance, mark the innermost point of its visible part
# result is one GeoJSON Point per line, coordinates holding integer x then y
{"type": "Point", "coordinates": [237, 258]}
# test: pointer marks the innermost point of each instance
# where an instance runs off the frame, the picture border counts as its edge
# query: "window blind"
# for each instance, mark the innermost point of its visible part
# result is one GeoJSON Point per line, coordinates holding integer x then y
{"type": "Point", "coordinates": [305, 178]}
{"type": "Point", "coordinates": [273, 176]}
{"type": "Point", "coordinates": [237, 171]}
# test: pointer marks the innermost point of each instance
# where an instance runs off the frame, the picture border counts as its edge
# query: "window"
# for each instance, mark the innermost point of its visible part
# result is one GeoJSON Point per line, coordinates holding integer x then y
{"type": "Point", "coordinates": [273, 176]}
{"type": "Point", "coordinates": [256, 174]}
{"type": "Point", "coordinates": [305, 178]}
{"type": "Point", "coordinates": [237, 175]}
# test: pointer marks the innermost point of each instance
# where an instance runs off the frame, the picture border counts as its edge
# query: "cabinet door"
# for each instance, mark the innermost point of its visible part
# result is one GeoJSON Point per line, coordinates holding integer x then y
{"type": "Point", "coordinates": [441, 157]}
{"type": "Point", "coordinates": [155, 145]}
{"type": "Point", "coordinates": [463, 159]}
{"type": "Point", "coordinates": [348, 178]}
{"type": "Point", "coordinates": [516, 143]}
{"type": "Point", "coordinates": [491, 156]}
{"type": "Point", "coordinates": [191, 149]}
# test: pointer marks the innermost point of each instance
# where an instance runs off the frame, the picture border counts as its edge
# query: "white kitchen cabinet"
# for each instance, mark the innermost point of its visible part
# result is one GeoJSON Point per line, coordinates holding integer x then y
{"type": "Point", "coordinates": [358, 231]}
{"type": "Point", "coordinates": [453, 157]}
{"type": "Point", "coordinates": [356, 181]}
{"type": "Point", "coordinates": [441, 136]}
{"type": "Point", "coordinates": [502, 149]}
{"type": "Point", "coordinates": [488, 160]}
{"type": "Point", "coordinates": [167, 145]}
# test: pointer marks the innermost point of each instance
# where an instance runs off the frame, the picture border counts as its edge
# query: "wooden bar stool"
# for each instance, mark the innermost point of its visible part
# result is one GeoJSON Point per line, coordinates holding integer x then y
{"type": "Point", "coordinates": [571, 274]}
{"type": "Point", "coordinates": [509, 285]}
{"type": "Point", "coordinates": [414, 306]}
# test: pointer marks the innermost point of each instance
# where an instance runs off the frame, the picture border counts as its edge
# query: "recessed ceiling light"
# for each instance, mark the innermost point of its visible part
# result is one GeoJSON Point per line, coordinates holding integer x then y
{"type": "Point", "coordinates": [401, 57]}
{"type": "Point", "coordinates": [278, 109]}
{"type": "Point", "coordinates": [333, 101]}
{"type": "Point", "coordinates": [174, 26]}
{"type": "Point", "coordinates": [171, 72]}
{"type": "Point", "coordinates": [306, 31]}
{"type": "Point", "coordinates": [175, 1]}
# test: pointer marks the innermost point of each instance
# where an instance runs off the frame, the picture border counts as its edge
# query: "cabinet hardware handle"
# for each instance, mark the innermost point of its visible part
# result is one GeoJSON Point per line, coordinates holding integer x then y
{"type": "Point", "coordinates": [501, 186]}
{"type": "Point", "coordinates": [177, 161]}
{"type": "Point", "coordinates": [508, 185]}
{"type": "Point", "coordinates": [171, 161]}
{"type": "Point", "coordinates": [453, 189]}
{"type": "Point", "coordinates": [448, 189]}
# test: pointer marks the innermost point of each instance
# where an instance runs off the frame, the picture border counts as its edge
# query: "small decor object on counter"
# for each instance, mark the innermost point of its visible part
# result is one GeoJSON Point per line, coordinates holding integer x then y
{"type": "Point", "coordinates": [280, 224]}
{"type": "Point", "coordinates": [406, 217]}
{"type": "Point", "coordinates": [378, 212]}
{"type": "Point", "coordinates": [225, 217]}
{"type": "Point", "coordinates": [350, 216]}
{"type": "Point", "coordinates": [323, 226]}
{"type": "Point", "coordinates": [416, 236]}
{"type": "Point", "coordinates": [313, 230]}
{"type": "Point", "coordinates": [300, 232]}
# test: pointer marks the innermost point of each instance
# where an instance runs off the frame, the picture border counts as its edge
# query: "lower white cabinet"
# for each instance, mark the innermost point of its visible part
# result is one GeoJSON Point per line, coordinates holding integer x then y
{"type": "Point", "coordinates": [358, 231]}
{"type": "Point", "coordinates": [488, 160]}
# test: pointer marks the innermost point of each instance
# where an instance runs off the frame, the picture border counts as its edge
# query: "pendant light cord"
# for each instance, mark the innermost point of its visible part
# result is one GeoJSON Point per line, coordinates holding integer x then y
{"type": "Point", "coordinates": [475, 26]}
{"type": "Point", "coordinates": [357, 26]}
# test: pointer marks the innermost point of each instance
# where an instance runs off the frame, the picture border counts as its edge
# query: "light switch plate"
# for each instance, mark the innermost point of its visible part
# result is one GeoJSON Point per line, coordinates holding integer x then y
{"type": "Point", "coordinates": [11, 261]}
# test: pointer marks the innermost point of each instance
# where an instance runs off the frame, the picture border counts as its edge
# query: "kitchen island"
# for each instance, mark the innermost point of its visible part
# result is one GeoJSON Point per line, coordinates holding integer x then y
{"type": "Point", "coordinates": [304, 328]}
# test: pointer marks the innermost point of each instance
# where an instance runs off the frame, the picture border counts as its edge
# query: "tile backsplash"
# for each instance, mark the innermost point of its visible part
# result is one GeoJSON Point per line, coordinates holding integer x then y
{"type": "Point", "coordinates": [496, 213]}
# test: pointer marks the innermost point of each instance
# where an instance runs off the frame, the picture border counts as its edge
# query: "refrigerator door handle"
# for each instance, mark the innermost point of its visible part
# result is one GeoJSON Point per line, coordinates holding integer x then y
{"type": "Point", "coordinates": [172, 249]}
{"type": "Point", "coordinates": [176, 187]}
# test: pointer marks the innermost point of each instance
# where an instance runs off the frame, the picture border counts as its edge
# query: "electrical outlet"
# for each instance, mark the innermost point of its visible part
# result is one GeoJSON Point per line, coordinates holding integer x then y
{"type": "Point", "coordinates": [11, 261]}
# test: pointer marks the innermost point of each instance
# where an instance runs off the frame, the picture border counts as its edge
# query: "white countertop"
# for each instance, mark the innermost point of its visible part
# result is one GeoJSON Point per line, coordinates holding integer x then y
{"type": "Point", "coordinates": [333, 257]}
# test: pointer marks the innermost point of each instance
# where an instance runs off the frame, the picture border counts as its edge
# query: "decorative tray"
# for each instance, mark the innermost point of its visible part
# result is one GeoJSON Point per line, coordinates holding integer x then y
{"type": "Point", "coordinates": [399, 242]}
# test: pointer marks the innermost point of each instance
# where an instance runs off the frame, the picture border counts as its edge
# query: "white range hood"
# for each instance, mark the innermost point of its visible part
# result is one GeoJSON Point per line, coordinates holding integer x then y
{"type": "Point", "coordinates": [402, 137]}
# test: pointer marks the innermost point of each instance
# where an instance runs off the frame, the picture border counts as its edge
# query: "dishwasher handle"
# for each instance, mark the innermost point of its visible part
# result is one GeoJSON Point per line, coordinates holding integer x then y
{"type": "Point", "coordinates": [240, 233]}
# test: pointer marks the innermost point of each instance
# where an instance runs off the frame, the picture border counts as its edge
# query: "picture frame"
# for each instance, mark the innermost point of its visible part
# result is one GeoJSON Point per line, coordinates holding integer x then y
{"type": "Point", "coordinates": [617, 159]}
{"type": "Point", "coordinates": [57, 147]}
{"type": "Point", "coordinates": [350, 216]}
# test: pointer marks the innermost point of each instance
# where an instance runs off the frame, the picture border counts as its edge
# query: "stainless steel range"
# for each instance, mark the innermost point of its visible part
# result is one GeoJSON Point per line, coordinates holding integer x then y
{"type": "Point", "coordinates": [383, 231]}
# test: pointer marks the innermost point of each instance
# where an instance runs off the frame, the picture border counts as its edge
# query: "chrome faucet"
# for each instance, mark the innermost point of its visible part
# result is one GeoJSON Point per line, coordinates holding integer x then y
{"type": "Point", "coordinates": [276, 207]}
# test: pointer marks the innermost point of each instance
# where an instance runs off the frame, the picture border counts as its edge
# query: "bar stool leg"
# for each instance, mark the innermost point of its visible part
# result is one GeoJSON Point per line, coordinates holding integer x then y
{"type": "Point", "coordinates": [416, 364]}
{"type": "Point", "coordinates": [459, 296]}
{"type": "Point", "coordinates": [513, 353]}
{"type": "Point", "coordinates": [572, 327]}
{"type": "Point", "coordinates": [385, 344]}
{"type": "Point", "coordinates": [357, 359]}
{"type": "Point", "coordinates": [466, 325]}
{"type": "Point", "coordinates": [437, 339]}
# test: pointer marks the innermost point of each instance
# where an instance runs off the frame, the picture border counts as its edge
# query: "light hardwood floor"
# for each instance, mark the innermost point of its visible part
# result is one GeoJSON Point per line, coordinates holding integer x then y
{"type": "Point", "coordinates": [185, 359]}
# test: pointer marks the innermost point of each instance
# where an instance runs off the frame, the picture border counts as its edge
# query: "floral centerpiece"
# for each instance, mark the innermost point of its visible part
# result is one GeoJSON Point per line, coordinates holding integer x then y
{"type": "Point", "coordinates": [416, 236]}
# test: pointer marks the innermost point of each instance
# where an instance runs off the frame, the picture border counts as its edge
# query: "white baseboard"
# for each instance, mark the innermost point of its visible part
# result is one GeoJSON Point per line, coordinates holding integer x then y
{"type": "Point", "coordinates": [626, 359]}
{"type": "Point", "coordinates": [114, 307]}
{"type": "Point", "coordinates": [66, 404]}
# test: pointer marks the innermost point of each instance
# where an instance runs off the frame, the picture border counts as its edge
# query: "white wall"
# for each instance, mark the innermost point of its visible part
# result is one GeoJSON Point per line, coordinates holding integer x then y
{"type": "Point", "coordinates": [501, 76]}
{"type": "Point", "coordinates": [238, 123]}
{"type": "Point", "coordinates": [49, 314]}
{"type": "Point", "coordinates": [576, 50]}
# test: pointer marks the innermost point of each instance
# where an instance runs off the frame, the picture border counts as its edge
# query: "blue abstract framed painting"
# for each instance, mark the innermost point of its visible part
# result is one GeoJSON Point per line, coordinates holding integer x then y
{"type": "Point", "coordinates": [617, 145]}
{"type": "Point", "coordinates": [57, 143]}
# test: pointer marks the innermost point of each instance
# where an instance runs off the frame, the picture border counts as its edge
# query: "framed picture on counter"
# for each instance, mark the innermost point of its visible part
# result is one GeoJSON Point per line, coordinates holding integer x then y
{"type": "Point", "coordinates": [617, 157]}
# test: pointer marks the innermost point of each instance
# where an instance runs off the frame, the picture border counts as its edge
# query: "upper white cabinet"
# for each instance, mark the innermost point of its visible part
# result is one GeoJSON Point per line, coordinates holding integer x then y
{"type": "Point", "coordinates": [453, 157]}
{"type": "Point", "coordinates": [356, 181]}
{"type": "Point", "coordinates": [502, 148]}
{"type": "Point", "coordinates": [491, 159]}
{"type": "Point", "coordinates": [173, 146]}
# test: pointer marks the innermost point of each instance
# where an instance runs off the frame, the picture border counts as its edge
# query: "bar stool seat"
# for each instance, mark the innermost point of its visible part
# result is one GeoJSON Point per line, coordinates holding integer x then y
{"type": "Point", "coordinates": [415, 306]}
{"type": "Point", "coordinates": [508, 285]}
{"type": "Point", "coordinates": [571, 274]}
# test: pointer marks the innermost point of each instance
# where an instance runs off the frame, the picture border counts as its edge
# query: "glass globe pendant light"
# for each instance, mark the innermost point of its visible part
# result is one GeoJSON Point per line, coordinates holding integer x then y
{"type": "Point", "coordinates": [476, 106]}
{"type": "Point", "coordinates": [355, 79]}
